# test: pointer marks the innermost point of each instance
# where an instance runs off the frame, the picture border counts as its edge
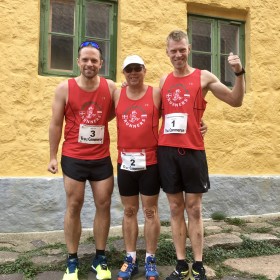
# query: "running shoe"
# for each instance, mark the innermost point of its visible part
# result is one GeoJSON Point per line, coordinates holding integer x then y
{"type": "Point", "coordinates": [151, 268]}
{"type": "Point", "coordinates": [71, 272]}
{"type": "Point", "coordinates": [128, 269]}
{"type": "Point", "coordinates": [178, 275]}
{"type": "Point", "coordinates": [199, 275]}
{"type": "Point", "coordinates": [100, 267]}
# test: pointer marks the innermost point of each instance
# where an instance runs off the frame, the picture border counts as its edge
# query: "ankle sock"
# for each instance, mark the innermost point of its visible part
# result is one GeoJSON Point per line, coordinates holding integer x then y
{"type": "Point", "coordinates": [100, 253]}
{"type": "Point", "coordinates": [73, 256]}
{"type": "Point", "coordinates": [132, 254]}
{"type": "Point", "coordinates": [197, 266]}
{"type": "Point", "coordinates": [182, 265]}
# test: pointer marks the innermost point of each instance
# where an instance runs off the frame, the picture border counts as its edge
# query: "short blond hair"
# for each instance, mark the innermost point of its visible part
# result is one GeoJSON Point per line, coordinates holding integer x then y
{"type": "Point", "coordinates": [177, 35]}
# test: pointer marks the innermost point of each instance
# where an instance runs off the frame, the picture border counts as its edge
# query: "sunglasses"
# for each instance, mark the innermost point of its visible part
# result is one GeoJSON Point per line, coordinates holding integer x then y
{"type": "Point", "coordinates": [90, 43]}
{"type": "Point", "coordinates": [136, 68]}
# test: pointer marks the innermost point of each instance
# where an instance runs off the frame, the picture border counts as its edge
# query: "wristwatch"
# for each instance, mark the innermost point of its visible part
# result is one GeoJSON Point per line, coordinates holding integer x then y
{"type": "Point", "coordinates": [240, 73]}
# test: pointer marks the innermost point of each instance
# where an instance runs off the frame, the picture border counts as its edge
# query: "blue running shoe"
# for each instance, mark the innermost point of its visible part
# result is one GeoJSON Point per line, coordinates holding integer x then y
{"type": "Point", "coordinates": [128, 269]}
{"type": "Point", "coordinates": [151, 268]}
{"type": "Point", "coordinates": [100, 267]}
{"type": "Point", "coordinates": [71, 272]}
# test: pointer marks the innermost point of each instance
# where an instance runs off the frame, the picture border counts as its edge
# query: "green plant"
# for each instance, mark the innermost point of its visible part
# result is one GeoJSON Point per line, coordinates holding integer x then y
{"type": "Point", "coordinates": [165, 223]}
{"type": "Point", "coordinates": [21, 265]}
{"type": "Point", "coordinates": [227, 230]}
{"type": "Point", "coordinates": [260, 230]}
{"type": "Point", "coordinates": [166, 252]}
{"type": "Point", "coordinates": [218, 216]}
{"type": "Point", "coordinates": [235, 221]}
{"type": "Point", "coordinates": [275, 223]}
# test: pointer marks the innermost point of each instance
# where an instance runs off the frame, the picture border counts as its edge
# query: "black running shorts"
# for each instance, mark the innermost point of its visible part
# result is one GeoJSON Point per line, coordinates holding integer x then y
{"type": "Point", "coordinates": [145, 182]}
{"type": "Point", "coordinates": [82, 170]}
{"type": "Point", "coordinates": [183, 170]}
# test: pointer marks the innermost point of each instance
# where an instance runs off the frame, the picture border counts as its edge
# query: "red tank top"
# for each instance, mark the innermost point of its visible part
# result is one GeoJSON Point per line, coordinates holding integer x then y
{"type": "Point", "coordinates": [183, 95]}
{"type": "Point", "coordinates": [89, 110]}
{"type": "Point", "coordinates": [137, 122]}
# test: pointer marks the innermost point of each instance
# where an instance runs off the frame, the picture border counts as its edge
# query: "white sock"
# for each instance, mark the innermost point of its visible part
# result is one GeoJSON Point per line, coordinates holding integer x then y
{"type": "Point", "coordinates": [132, 254]}
{"type": "Point", "coordinates": [149, 255]}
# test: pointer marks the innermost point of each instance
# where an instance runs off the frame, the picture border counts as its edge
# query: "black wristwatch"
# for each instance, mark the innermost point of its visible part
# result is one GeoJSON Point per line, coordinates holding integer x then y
{"type": "Point", "coordinates": [240, 73]}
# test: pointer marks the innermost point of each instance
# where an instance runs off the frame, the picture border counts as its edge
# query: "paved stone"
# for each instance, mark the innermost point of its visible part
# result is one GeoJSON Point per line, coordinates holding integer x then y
{"type": "Point", "coordinates": [268, 266]}
{"type": "Point", "coordinates": [262, 236]}
{"type": "Point", "coordinates": [236, 278]}
{"type": "Point", "coordinates": [217, 234]}
{"type": "Point", "coordinates": [228, 240]}
{"type": "Point", "coordinates": [50, 275]}
{"type": "Point", "coordinates": [259, 225]}
{"type": "Point", "coordinates": [6, 256]}
{"type": "Point", "coordinates": [212, 229]}
{"type": "Point", "coordinates": [47, 260]}
{"type": "Point", "coordinates": [12, 277]}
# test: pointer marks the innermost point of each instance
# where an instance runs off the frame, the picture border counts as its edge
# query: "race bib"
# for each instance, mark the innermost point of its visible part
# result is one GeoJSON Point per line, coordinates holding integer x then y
{"type": "Point", "coordinates": [133, 161]}
{"type": "Point", "coordinates": [91, 134]}
{"type": "Point", "coordinates": [176, 123]}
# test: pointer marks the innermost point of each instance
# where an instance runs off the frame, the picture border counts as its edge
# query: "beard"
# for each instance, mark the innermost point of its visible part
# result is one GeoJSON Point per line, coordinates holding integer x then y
{"type": "Point", "coordinates": [89, 73]}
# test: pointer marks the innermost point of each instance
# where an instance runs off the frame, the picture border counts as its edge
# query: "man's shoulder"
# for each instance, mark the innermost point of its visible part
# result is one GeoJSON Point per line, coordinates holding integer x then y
{"type": "Point", "coordinates": [162, 79]}
{"type": "Point", "coordinates": [111, 84]}
{"type": "Point", "coordinates": [109, 81]}
{"type": "Point", "coordinates": [63, 85]}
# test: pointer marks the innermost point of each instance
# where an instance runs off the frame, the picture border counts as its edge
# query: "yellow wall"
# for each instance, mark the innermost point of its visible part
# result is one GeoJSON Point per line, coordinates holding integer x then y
{"type": "Point", "coordinates": [239, 141]}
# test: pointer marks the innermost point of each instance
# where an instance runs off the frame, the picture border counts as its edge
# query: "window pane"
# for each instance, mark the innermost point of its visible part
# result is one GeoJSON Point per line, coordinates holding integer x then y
{"type": "Point", "coordinates": [227, 75]}
{"type": "Point", "coordinates": [97, 20]}
{"type": "Point", "coordinates": [61, 56]}
{"type": "Point", "coordinates": [106, 57]}
{"type": "Point", "coordinates": [201, 61]}
{"type": "Point", "coordinates": [62, 16]}
{"type": "Point", "coordinates": [229, 38]}
{"type": "Point", "coordinates": [201, 36]}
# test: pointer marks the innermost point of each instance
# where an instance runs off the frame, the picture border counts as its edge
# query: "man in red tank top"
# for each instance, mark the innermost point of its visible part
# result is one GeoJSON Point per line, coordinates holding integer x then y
{"type": "Point", "coordinates": [85, 103]}
{"type": "Point", "coordinates": [137, 115]}
{"type": "Point", "coordinates": [181, 155]}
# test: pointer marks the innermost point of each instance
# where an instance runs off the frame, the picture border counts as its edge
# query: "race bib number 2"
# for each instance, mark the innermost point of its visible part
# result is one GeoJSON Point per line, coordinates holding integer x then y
{"type": "Point", "coordinates": [91, 134]}
{"type": "Point", "coordinates": [133, 161]}
{"type": "Point", "coordinates": [176, 123]}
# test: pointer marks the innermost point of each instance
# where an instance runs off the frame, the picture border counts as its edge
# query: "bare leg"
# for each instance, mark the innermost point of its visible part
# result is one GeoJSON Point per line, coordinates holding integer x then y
{"type": "Point", "coordinates": [102, 192]}
{"type": "Point", "coordinates": [195, 224]}
{"type": "Point", "coordinates": [152, 222]}
{"type": "Point", "coordinates": [130, 222]}
{"type": "Point", "coordinates": [72, 222]}
{"type": "Point", "coordinates": [178, 223]}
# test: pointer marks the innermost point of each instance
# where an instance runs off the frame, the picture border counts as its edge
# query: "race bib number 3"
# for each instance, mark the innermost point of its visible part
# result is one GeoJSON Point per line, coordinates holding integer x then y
{"type": "Point", "coordinates": [133, 161]}
{"type": "Point", "coordinates": [176, 123]}
{"type": "Point", "coordinates": [91, 134]}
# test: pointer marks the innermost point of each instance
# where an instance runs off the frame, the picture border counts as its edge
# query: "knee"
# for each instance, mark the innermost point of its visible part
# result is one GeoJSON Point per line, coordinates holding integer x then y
{"type": "Point", "coordinates": [74, 206]}
{"type": "Point", "coordinates": [103, 204]}
{"type": "Point", "coordinates": [130, 212]}
{"type": "Point", "coordinates": [176, 209]}
{"type": "Point", "coordinates": [194, 211]}
{"type": "Point", "coordinates": [150, 213]}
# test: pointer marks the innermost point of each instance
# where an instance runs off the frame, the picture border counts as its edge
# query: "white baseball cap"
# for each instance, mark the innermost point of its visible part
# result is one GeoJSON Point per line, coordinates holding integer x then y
{"type": "Point", "coordinates": [131, 59]}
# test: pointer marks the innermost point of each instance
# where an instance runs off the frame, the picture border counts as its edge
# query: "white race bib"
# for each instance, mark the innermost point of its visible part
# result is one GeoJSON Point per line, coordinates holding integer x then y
{"type": "Point", "coordinates": [91, 134]}
{"type": "Point", "coordinates": [133, 161]}
{"type": "Point", "coordinates": [176, 123]}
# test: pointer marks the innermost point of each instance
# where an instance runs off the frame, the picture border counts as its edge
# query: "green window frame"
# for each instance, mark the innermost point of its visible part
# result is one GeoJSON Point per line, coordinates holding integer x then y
{"type": "Point", "coordinates": [212, 39]}
{"type": "Point", "coordinates": [64, 24]}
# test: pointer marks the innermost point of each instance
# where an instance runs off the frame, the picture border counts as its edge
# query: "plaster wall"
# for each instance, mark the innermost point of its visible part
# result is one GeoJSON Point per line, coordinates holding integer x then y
{"type": "Point", "coordinates": [242, 141]}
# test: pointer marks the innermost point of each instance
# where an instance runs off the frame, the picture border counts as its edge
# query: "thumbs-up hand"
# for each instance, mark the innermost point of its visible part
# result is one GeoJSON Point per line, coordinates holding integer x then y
{"type": "Point", "coordinates": [234, 62]}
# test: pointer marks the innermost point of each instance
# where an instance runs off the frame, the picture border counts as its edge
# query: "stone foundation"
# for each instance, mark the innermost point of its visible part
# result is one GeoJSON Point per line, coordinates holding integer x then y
{"type": "Point", "coordinates": [38, 204]}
